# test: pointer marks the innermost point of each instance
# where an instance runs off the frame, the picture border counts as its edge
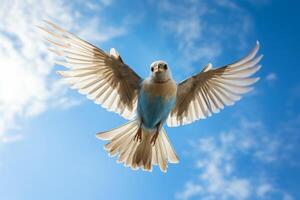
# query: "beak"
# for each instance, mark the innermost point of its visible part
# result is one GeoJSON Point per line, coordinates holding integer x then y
{"type": "Point", "coordinates": [157, 69]}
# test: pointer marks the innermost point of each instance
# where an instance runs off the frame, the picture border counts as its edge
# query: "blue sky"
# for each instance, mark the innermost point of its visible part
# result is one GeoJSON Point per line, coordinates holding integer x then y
{"type": "Point", "coordinates": [48, 148]}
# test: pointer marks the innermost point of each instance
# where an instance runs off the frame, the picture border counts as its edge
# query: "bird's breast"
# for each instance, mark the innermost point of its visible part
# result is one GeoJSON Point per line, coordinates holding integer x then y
{"type": "Point", "coordinates": [155, 103]}
{"type": "Point", "coordinates": [164, 90]}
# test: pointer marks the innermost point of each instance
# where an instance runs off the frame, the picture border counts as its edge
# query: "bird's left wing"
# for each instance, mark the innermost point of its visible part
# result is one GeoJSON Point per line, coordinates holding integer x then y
{"type": "Point", "coordinates": [103, 77]}
{"type": "Point", "coordinates": [210, 90]}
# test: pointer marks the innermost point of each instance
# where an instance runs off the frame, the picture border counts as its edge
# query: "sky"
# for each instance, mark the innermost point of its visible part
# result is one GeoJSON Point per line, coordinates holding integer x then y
{"type": "Point", "coordinates": [48, 148]}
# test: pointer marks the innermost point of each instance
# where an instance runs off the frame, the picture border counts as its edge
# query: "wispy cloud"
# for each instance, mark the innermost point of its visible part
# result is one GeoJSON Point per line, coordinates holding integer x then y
{"type": "Point", "coordinates": [219, 159]}
{"type": "Point", "coordinates": [27, 85]}
{"type": "Point", "coordinates": [263, 190]}
{"type": "Point", "coordinates": [190, 190]}
{"type": "Point", "coordinates": [198, 31]}
{"type": "Point", "coordinates": [271, 77]}
{"type": "Point", "coordinates": [10, 138]}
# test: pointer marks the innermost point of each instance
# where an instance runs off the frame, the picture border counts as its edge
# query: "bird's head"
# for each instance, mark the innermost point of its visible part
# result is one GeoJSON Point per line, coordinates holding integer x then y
{"type": "Point", "coordinates": [160, 71]}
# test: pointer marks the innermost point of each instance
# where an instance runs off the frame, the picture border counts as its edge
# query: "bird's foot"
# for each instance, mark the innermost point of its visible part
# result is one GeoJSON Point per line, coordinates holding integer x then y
{"type": "Point", "coordinates": [138, 135]}
{"type": "Point", "coordinates": [154, 138]}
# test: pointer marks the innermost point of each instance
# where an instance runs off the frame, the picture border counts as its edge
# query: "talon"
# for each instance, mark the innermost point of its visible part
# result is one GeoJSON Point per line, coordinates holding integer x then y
{"type": "Point", "coordinates": [154, 138]}
{"type": "Point", "coordinates": [138, 135]}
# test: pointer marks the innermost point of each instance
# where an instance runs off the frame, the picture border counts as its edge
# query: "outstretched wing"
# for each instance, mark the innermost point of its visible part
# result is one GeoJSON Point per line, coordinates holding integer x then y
{"type": "Point", "coordinates": [103, 77]}
{"type": "Point", "coordinates": [210, 90]}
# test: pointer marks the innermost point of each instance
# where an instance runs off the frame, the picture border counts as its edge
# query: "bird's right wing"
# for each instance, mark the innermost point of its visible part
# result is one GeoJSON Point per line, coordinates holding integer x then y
{"type": "Point", "coordinates": [103, 77]}
{"type": "Point", "coordinates": [210, 90]}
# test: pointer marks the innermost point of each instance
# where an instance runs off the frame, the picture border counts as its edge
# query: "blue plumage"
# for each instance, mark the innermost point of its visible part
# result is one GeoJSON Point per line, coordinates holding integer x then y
{"type": "Point", "coordinates": [153, 109]}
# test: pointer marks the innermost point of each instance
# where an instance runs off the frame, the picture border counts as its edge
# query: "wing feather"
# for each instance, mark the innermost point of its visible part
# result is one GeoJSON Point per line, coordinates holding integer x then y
{"type": "Point", "coordinates": [102, 77]}
{"type": "Point", "coordinates": [211, 90]}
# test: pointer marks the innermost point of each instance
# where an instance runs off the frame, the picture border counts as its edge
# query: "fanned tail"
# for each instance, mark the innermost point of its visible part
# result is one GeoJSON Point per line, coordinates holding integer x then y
{"type": "Point", "coordinates": [137, 154]}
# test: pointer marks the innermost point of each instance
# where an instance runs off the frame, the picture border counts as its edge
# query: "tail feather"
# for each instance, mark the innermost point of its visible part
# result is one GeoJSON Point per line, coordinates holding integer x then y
{"type": "Point", "coordinates": [129, 155]}
{"type": "Point", "coordinates": [117, 144]}
{"type": "Point", "coordinates": [143, 154]}
{"type": "Point", "coordinates": [136, 154]}
{"type": "Point", "coordinates": [109, 135]}
{"type": "Point", "coordinates": [123, 149]}
{"type": "Point", "coordinates": [172, 157]}
{"type": "Point", "coordinates": [154, 155]}
{"type": "Point", "coordinates": [162, 155]}
{"type": "Point", "coordinates": [124, 152]}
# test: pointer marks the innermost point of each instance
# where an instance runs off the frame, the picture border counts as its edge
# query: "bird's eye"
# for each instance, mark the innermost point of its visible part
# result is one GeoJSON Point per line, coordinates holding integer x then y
{"type": "Point", "coordinates": [152, 69]}
{"type": "Point", "coordinates": [165, 66]}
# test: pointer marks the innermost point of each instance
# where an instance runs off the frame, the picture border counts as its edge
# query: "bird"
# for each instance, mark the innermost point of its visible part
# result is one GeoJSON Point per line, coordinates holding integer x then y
{"type": "Point", "coordinates": [147, 103]}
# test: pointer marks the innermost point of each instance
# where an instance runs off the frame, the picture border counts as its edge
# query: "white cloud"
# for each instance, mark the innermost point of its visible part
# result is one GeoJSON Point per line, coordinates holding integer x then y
{"type": "Point", "coordinates": [263, 190]}
{"type": "Point", "coordinates": [220, 172]}
{"type": "Point", "coordinates": [217, 169]}
{"type": "Point", "coordinates": [106, 2]}
{"type": "Point", "coordinates": [198, 32]}
{"type": "Point", "coordinates": [239, 189]}
{"type": "Point", "coordinates": [190, 190]}
{"type": "Point", "coordinates": [271, 77]}
{"type": "Point", "coordinates": [27, 83]}
{"type": "Point", "coordinates": [189, 28]}
{"type": "Point", "coordinates": [10, 138]}
{"type": "Point", "coordinates": [287, 197]}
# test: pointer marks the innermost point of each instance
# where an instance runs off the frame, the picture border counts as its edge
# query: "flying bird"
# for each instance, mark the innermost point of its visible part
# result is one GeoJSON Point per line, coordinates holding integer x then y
{"type": "Point", "coordinates": [147, 103]}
